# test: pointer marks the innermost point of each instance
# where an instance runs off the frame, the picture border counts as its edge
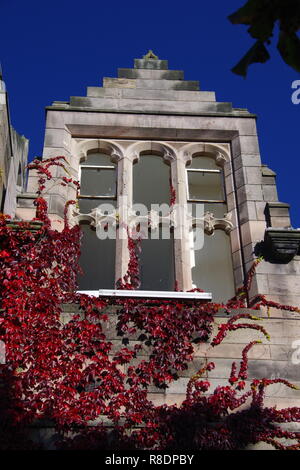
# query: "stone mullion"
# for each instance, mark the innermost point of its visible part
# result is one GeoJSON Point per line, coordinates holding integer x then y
{"type": "Point", "coordinates": [124, 195]}
{"type": "Point", "coordinates": [183, 273]}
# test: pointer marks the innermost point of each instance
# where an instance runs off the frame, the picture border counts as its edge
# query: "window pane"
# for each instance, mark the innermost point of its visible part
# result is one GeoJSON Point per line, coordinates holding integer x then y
{"type": "Point", "coordinates": [212, 266]}
{"type": "Point", "coordinates": [151, 183]}
{"type": "Point", "coordinates": [98, 159]}
{"type": "Point", "coordinates": [98, 182]}
{"type": "Point", "coordinates": [204, 163]}
{"type": "Point", "coordinates": [217, 209]}
{"type": "Point", "coordinates": [97, 261]}
{"type": "Point", "coordinates": [205, 185]}
{"type": "Point", "coordinates": [157, 263]}
{"type": "Point", "coordinates": [87, 205]}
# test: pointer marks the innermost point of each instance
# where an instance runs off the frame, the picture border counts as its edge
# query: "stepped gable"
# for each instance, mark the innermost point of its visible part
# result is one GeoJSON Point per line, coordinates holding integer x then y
{"type": "Point", "coordinates": [150, 87]}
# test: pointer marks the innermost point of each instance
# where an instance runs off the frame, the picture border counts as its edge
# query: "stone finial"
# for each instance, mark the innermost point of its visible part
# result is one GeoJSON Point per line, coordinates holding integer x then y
{"type": "Point", "coordinates": [150, 55]}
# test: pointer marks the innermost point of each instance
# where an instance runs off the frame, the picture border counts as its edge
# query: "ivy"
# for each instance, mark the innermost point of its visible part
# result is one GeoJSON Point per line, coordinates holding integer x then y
{"type": "Point", "coordinates": [71, 373]}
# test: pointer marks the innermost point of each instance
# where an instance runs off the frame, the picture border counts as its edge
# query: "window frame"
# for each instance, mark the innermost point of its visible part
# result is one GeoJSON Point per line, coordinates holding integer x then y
{"type": "Point", "coordinates": [101, 167]}
{"type": "Point", "coordinates": [209, 171]}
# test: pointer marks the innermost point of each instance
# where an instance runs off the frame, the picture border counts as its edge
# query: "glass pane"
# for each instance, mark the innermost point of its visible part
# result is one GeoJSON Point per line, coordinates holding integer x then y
{"type": "Point", "coordinates": [204, 163]}
{"type": "Point", "coordinates": [97, 261]}
{"type": "Point", "coordinates": [98, 159]}
{"type": "Point", "coordinates": [217, 209]}
{"type": "Point", "coordinates": [157, 263]}
{"type": "Point", "coordinates": [151, 183]}
{"type": "Point", "coordinates": [87, 205]}
{"type": "Point", "coordinates": [212, 268]}
{"type": "Point", "coordinates": [98, 182]}
{"type": "Point", "coordinates": [205, 185]}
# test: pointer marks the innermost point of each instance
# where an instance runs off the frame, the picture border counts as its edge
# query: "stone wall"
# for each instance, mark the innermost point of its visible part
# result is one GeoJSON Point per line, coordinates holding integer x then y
{"type": "Point", "coordinates": [153, 106]}
{"type": "Point", "coordinates": [13, 159]}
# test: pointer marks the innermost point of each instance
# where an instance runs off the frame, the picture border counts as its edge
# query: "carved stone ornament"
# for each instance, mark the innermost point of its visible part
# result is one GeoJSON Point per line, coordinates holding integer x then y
{"type": "Point", "coordinates": [96, 218]}
{"type": "Point", "coordinates": [153, 220]}
{"type": "Point", "coordinates": [150, 55]}
{"type": "Point", "coordinates": [212, 223]}
{"type": "Point", "coordinates": [220, 159]}
{"type": "Point", "coordinates": [281, 245]}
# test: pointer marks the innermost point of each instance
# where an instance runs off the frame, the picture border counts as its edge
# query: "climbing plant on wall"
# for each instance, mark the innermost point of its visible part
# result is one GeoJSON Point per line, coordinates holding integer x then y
{"type": "Point", "coordinates": [95, 391]}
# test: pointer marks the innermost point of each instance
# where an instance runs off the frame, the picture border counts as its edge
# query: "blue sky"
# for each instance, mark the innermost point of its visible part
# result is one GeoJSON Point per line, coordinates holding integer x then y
{"type": "Point", "coordinates": [53, 50]}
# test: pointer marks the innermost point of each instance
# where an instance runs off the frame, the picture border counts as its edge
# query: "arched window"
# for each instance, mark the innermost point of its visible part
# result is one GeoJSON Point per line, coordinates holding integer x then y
{"type": "Point", "coordinates": [205, 185]}
{"type": "Point", "coordinates": [98, 182]}
{"type": "Point", "coordinates": [151, 188]}
{"type": "Point", "coordinates": [211, 264]}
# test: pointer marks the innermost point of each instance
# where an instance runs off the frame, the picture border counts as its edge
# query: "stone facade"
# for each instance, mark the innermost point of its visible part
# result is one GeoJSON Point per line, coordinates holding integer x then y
{"type": "Point", "coordinates": [13, 158]}
{"type": "Point", "coordinates": [150, 108]}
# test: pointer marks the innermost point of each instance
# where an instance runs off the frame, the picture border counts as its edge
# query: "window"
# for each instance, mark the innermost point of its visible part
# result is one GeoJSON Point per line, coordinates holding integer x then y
{"type": "Point", "coordinates": [211, 265]}
{"type": "Point", "coordinates": [97, 182]}
{"type": "Point", "coordinates": [151, 187]}
{"type": "Point", "coordinates": [146, 170]}
{"type": "Point", "coordinates": [98, 187]}
{"type": "Point", "coordinates": [205, 185]}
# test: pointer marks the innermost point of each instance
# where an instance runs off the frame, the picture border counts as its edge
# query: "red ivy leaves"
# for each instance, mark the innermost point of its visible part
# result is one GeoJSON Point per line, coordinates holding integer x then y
{"type": "Point", "coordinates": [66, 370]}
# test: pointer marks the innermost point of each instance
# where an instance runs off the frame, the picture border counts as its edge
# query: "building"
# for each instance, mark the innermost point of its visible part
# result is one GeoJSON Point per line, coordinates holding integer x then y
{"type": "Point", "coordinates": [151, 137]}
{"type": "Point", "coordinates": [13, 158]}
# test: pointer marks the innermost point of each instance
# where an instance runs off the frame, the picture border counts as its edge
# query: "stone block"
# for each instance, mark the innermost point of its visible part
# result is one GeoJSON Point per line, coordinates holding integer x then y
{"type": "Point", "coordinates": [231, 202]}
{"type": "Point", "coordinates": [246, 160]}
{"type": "Point", "coordinates": [262, 285]}
{"type": "Point", "coordinates": [247, 212]}
{"type": "Point", "coordinates": [177, 387]}
{"type": "Point", "coordinates": [291, 268]}
{"type": "Point", "coordinates": [284, 285]}
{"type": "Point", "coordinates": [152, 74]}
{"type": "Point", "coordinates": [187, 85]}
{"type": "Point", "coordinates": [249, 145]}
{"type": "Point", "coordinates": [278, 214]}
{"type": "Point", "coordinates": [260, 210]}
{"type": "Point", "coordinates": [270, 193]}
{"type": "Point", "coordinates": [227, 169]}
{"type": "Point", "coordinates": [249, 254]}
{"type": "Point", "coordinates": [124, 104]}
{"type": "Point", "coordinates": [238, 275]}
{"type": "Point", "coordinates": [235, 240]}
{"type": "Point", "coordinates": [151, 64]}
{"type": "Point", "coordinates": [229, 184]}
{"type": "Point", "coordinates": [252, 232]}
{"type": "Point", "coordinates": [236, 259]}
{"type": "Point", "coordinates": [49, 152]}
{"type": "Point", "coordinates": [280, 333]}
{"type": "Point", "coordinates": [26, 214]}
{"type": "Point", "coordinates": [26, 201]}
{"type": "Point", "coordinates": [268, 180]}
{"type": "Point", "coordinates": [240, 177]}
{"type": "Point", "coordinates": [174, 398]}
{"type": "Point", "coordinates": [172, 95]}
{"type": "Point", "coordinates": [287, 300]}
{"type": "Point", "coordinates": [236, 147]}
{"type": "Point", "coordinates": [157, 399]}
{"type": "Point", "coordinates": [249, 192]}
{"type": "Point", "coordinates": [57, 205]}
{"type": "Point", "coordinates": [253, 175]}
{"type": "Point", "coordinates": [56, 138]}
{"type": "Point", "coordinates": [232, 351]}
{"type": "Point", "coordinates": [117, 83]}
{"type": "Point", "coordinates": [149, 94]}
